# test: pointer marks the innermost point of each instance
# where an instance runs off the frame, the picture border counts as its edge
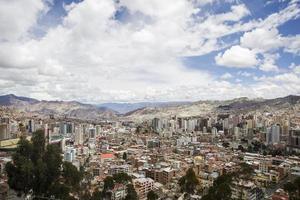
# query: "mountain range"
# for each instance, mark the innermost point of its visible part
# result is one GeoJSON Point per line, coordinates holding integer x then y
{"type": "Point", "coordinates": [146, 110]}
{"type": "Point", "coordinates": [124, 108]}
{"type": "Point", "coordinates": [70, 109]}
{"type": "Point", "coordinates": [234, 106]}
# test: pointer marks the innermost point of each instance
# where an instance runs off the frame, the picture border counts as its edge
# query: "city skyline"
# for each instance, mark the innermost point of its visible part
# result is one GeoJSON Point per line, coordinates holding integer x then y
{"type": "Point", "coordinates": [135, 51]}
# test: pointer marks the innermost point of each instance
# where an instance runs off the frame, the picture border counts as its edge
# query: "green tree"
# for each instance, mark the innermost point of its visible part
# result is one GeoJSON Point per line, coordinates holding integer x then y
{"type": "Point", "coordinates": [189, 182]}
{"type": "Point", "coordinates": [97, 195]}
{"type": "Point", "coordinates": [245, 171]}
{"type": "Point", "coordinates": [291, 189]}
{"type": "Point", "coordinates": [131, 193]}
{"type": "Point", "coordinates": [108, 183]}
{"type": "Point", "coordinates": [71, 174]}
{"type": "Point", "coordinates": [20, 171]}
{"type": "Point", "coordinates": [38, 145]}
{"type": "Point", "coordinates": [122, 178]}
{"type": "Point", "coordinates": [39, 168]}
{"type": "Point", "coordinates": [297, 185]}
{"type": "Point", "coordinates": [124, 156]}
{"type": "Point", "coordinates": [152, 195]}
{"type": "Point", "coordinates": [221, 188]}
{"type": "Point", "coordinates": [53, 161]}
{"type": "Point", "coordinates": [40, 184]}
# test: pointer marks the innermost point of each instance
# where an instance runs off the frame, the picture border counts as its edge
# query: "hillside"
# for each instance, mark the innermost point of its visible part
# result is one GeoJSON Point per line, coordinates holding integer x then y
{"type": "Point", "coordinates": [71, 109]}
{"type": "Point", "coordinates": [239, 105]}
{"type": "Point", "coordinates": [124, 108]}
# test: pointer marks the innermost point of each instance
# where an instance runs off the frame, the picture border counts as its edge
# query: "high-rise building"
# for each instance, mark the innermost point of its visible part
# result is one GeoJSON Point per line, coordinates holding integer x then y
{"type": "Point", "coordinates": [273, 134]}
{"type": "Point", "coordinates": [4, 133]}
{"type": "Point", "coordinates": [92, 133]}
{"type": "Point", "coordinates": [294, 140]}
{"type": "Point", "coordinates": [78, 135]}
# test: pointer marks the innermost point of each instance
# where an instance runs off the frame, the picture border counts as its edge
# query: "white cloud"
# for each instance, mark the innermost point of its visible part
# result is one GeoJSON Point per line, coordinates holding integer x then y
{"type": "Point", "coordinates": [295, 68]}
{"type": "Point", "coordinates": [245, 74]}
{"type": "Point", "coordinates": [93, 57]}
{"type": "Point", "coordinates": [269, 61]}
{"type": "Point", "coordinates": [16, 17]}
{"type": "Point", "coordinates": [268, 67]}
{"type": "Point", "coordinates": [293, 44]}
{"type": "Point", "coordinates": [238, 57]}
{"type": "Point", "coordinates": [226, 76]}
{"type": "Point", "coordinates": [261, 39]}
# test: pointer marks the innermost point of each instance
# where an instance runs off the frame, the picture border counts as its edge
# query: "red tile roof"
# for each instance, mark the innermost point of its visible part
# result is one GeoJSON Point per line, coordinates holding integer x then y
{"type": "Point", "coordinates": [106, 156]}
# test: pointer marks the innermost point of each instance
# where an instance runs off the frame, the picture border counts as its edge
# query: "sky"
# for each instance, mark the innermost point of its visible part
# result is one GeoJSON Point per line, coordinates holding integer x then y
{"type": "Point", "coordinates": [99, 51]}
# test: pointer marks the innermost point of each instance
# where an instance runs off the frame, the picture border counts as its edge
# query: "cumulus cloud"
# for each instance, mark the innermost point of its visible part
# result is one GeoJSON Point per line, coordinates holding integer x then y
{"type": "Point", "coordinates": [268, 64]}
{"type": "Point", "coordinates": [262, 39]}
{"type": "Point", "coordinates": [238, 57]}
{"type": "Point", "coordinates": [16, 17]}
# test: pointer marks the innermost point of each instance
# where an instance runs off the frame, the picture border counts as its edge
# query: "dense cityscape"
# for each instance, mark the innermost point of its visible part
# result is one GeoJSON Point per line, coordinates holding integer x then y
{"type": "Point", "coordinates": [217, 155]}
{"type": "Point", "coordinates": [149, 99]}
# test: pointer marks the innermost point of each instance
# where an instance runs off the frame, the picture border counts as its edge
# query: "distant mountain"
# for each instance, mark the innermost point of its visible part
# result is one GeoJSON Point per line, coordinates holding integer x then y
{"type": "Point", "coordinates": [266, 104]}
{"type": "Point", "coordinates": [11, 99]}
{"type": "Point", "coordinates": [147, 110]}
{"type": "Point", "coordinates": [71, 109]}
{"type": "Point", "coordinates": [124, 108]}
{"type": "Point", "coordinates": [199, 108]}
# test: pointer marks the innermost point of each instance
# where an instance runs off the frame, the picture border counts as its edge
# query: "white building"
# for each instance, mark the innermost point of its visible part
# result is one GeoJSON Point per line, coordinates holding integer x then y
{"type": "Point", "coordinates": [273, 134]}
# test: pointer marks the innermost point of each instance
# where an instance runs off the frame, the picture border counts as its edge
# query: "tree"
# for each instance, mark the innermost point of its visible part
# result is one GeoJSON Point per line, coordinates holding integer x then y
{"type": "Point", "coordinates": [124, 156]}
{"type": "Point", "coordinates": [221, 188]}
{"type": "Point", "coordinates": [53, 161]}
{"type": "Point", "coordinates": [71, 174]}
{"type": "Point", "coordinates": [38, 145]}
{"type": "Point", "coordinates": [131, 193]}
{"type": "Point", "coordinates": [241, 148]}
{"type": "Point", "coordinates": [226, 144]}
{"type": "Point", "coordinates": [290, 188]}
{"type": "Point", "coordinates": [108, 183]}
{"type": "Point", "coordinates": [39, 168]}
{"type": "Point", "coordinates": [122, 178]}
{"type": "Point", "coordinates": [20, 171]}
{"type": "Point", "coordinates": [245, 171]}
{"type": "Point", "coordinates": [189, 182]}
{"type": "Point", "coordinates": [293, 189]}
{"type": "Point", "coordinates": [152, 195]}
{"type": "Point", "coordinates": [297, 184]}
{"type": "Point", "coordinates": [97, 195]}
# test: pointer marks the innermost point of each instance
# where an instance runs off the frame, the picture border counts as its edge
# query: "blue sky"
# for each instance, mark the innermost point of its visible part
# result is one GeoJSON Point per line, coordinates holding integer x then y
{"type": "Point", "coordinates": [131, 50]}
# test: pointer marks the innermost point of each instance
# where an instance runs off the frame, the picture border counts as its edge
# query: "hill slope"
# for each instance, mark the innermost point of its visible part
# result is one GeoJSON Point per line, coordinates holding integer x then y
{"type": "Point", "coordinates": [239, 105]}
{"type": "Point", "coordinates": [71, 109]}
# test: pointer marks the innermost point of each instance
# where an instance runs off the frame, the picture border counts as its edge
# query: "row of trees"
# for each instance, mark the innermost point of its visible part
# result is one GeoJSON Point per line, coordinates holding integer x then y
{"type": "Point", "coordinates": [221, 188]}
{"type": "Point", "coordinates": [38, 169]}
{"type": "Point", "coordinates": [293, 189]}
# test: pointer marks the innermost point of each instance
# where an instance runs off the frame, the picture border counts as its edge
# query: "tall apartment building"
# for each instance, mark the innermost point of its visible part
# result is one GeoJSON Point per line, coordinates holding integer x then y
{"type": "Point", "coordinates": [294, 140]}
{"type": "Point", "coordinates": [4, 131]}
{"type": "Point", "coordinates": [273, 134]}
